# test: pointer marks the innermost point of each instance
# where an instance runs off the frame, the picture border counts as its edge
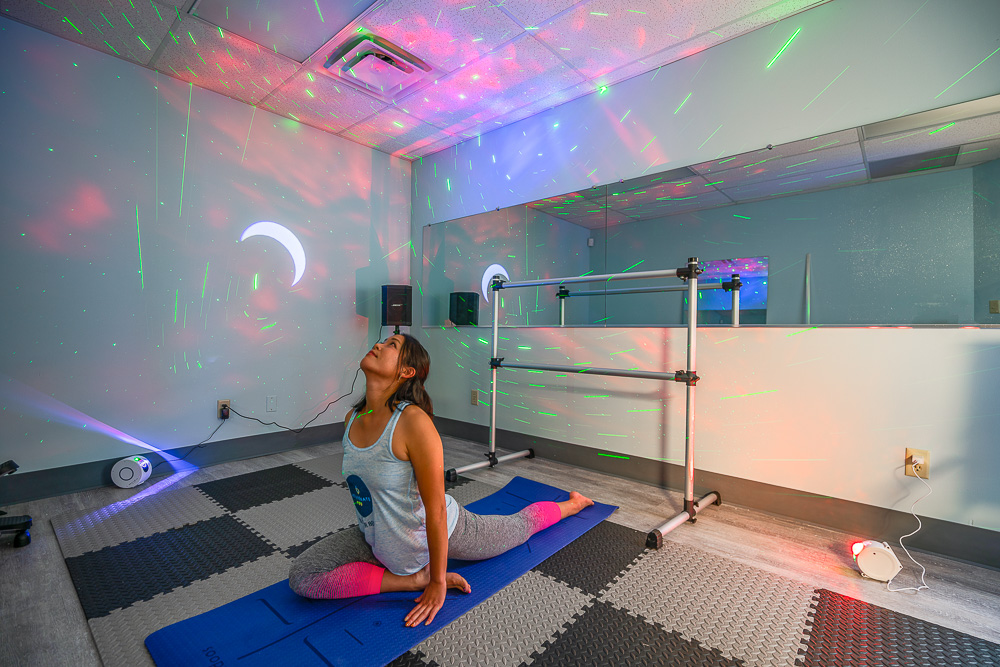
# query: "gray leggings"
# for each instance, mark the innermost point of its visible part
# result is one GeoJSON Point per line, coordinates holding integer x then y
{"type": "Point", "coordinates": [476, 537]}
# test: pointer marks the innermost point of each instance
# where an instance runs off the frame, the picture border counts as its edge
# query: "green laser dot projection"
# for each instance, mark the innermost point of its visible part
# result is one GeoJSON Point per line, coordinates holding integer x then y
{"type": "Point", "coordinates": [177, 296]}
{"type": "Point", "coordinates": [106, 19]}
{"type": "Point", "coordinates": [827, 86]}
{"type": "Point", "coordinates": [129, 22]}
{"type": "Point", "coordinates": [66, 20]}
{"type": "Point", "coordinates": [184, 167]}
{"type": "Point", "coordinates": [966, 74]}
{"type": "Point", "coordinates": [756, 393]}
{"type": "Point", "coordinates": [255, 281]}
{"type": "Point", "coordinates": [782, 49]}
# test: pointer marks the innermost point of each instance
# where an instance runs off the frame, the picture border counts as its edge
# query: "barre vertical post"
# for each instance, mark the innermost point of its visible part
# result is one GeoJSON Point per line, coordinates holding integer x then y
{"type": "Point", "coordinates": [562, 294]}
{"type": "Point", "coordinates": [493, 375]}
{"type": "Point", "coordinates": [736, 300]}
{"type": "Point", "coordinates": [691, 359]}
{"type": "Point", "coordinates": [808, 288]}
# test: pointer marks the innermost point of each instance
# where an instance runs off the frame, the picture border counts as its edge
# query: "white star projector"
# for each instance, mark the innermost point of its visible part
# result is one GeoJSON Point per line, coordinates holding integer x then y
{"type": "Point", "coordinates": [876, 560]}
{"type": "Point", "coordinates": [130, 472]}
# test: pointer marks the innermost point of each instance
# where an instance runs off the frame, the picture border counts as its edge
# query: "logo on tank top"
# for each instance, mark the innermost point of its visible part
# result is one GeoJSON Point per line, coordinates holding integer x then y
{"type": "Point", "coordinates": [362, 497]}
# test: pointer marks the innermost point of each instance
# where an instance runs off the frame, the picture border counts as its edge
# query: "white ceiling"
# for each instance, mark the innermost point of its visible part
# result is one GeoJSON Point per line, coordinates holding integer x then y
{"type": "Point", "coordinates": [476, 64]}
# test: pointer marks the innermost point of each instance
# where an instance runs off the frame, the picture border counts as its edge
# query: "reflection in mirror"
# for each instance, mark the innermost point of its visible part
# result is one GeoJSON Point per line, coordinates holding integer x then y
{"type": "Point", "coordinates": [899, 218]}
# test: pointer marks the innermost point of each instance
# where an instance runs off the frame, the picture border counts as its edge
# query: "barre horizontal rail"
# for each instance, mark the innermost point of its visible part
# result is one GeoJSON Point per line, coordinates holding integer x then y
{"type": "Point", "coordinates": [589, 370]}
{"type": "Point", "coordinates": [666, 273]}
{"type": "Point", "coordinates": [643, 290]}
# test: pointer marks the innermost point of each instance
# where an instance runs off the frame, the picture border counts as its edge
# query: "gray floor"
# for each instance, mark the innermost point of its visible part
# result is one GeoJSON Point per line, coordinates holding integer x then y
{"type": "Point", "coordinates": [43, 624]}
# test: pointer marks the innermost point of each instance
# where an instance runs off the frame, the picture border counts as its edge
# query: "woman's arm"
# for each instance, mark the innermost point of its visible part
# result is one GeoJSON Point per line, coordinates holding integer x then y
{"type": "Point", "coordinates": [426, 454]}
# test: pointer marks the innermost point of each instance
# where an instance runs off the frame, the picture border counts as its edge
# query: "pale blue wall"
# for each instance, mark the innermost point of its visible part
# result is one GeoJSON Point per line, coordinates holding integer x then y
{"type": "Point", "coordinates": [986, 203]}
{"type": "Point", "coordinates": [893, 252]}
{"type": "Point", "coordinates": [105, 166]}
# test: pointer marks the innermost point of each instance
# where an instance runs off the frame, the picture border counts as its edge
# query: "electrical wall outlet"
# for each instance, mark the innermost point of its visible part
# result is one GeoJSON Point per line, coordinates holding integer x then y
{"type": "Point", "coordinates": [475, 397]}
{"type": "Point", "coordinates": [918, 460]}
{"type": "Point", "coordinates": [995, 306]}
{"type": "Point", "coordinates": [218, 409]}
{"type": "Point", "coordinates": [272, 403]}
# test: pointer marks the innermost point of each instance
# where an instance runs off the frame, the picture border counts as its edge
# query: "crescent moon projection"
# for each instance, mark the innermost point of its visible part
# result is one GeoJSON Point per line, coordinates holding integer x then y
{"type": "Point", "coordinates": [492, 270]}
{"type": "Point", "coordinates": [285, 237]}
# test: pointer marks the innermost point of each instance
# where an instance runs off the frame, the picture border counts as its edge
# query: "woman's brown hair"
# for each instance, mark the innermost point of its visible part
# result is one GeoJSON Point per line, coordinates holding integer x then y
{"type": "Point", "coordinates": [414, 355]}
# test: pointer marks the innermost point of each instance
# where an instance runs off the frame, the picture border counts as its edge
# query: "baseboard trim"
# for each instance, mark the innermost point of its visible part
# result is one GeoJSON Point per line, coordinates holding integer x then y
{"type": "Point", "coordinates": [954, 540]}
{"type": "Point", "coordinates": [24, 487]}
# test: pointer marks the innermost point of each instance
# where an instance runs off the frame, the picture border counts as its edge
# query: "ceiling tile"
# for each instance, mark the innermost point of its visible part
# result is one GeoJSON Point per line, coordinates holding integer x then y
{"type": "Point", "coordinates": [532, 13]}
{"type": "Point", "coordinates": [808, 182]}
{"type": "Point", "coordinates": [446, 34]}
{"type": "Point", "coordinates": [210, 58]}
{"type": "Point", "coordinates": [777, 154]}
{"type": "Point", "coordinates": [319, 101]}
{"type": "Point", "coordinates": [295, 30]}
{"type": "Point", "coordinates": [113, 26]}
{"type": "Point", "coordinates": [393, 131]}
{"type": "Point", "coordinates": [511, 77]}
{"type": "Point", "coordinates": [979, 152]}
{"type": "Point", "coordinates": [788, 167]}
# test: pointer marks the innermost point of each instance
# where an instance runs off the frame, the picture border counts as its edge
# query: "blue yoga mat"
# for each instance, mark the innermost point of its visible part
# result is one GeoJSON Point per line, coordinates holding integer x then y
{"type": "Point", "coordinates": [274, 626]}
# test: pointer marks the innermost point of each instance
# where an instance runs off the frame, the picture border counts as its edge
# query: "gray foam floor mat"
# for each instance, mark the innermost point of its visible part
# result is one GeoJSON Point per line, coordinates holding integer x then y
{"type": "Point", "coordinates": [603, 600]}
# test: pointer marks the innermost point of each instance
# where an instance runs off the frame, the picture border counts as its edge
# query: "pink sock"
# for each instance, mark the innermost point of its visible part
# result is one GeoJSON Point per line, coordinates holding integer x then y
{"type": "Point", "coordinates": [541, 515]}
{"type": "Point", "coordinates": [347, 581]}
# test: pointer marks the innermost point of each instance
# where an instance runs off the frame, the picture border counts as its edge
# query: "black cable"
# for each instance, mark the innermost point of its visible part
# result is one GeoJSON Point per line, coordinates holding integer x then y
{"type": "Point", "coordinates": [293, 430]}
{"type": "Point", "coordinates": [193, 447]}
{"type": "Point", "coordinates": [302, 428]}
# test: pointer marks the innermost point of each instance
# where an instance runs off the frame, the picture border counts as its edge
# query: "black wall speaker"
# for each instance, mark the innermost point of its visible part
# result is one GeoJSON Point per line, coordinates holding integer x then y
{"type": "Point", "coordinates": [396, 305]}
{"type": "Point", "coordinates": [464, 308]}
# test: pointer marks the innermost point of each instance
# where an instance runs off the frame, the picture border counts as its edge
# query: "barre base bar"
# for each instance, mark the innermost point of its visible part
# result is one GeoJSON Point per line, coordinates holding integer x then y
{"type": "Point", "coordinates": [654, 540]}
{"type": "Point", "coordinates": [491, 460]}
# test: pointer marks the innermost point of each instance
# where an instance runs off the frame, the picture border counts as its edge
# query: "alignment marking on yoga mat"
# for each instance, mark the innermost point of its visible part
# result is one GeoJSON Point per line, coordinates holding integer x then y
{"type": "Point", "coordinates": [234, 628]}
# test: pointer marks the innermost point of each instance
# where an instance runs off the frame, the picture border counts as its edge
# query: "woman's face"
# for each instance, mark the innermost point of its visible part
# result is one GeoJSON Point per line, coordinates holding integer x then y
{"type": "Point", "coordinates": [383, 358]}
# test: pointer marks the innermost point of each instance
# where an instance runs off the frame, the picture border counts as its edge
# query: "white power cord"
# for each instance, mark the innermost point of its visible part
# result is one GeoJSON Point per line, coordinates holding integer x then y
{"type": "Point", "coordinates": [923, 570]}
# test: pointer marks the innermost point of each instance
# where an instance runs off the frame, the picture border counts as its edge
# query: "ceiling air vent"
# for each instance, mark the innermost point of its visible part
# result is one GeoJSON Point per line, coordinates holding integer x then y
{"type": "Point", "coordinates": [914, 164]}
{"type": "Point", "coordinates": [373, 64]}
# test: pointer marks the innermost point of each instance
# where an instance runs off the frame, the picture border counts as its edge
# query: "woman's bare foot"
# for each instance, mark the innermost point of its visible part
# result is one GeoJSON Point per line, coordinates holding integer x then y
{"type": "Point", "coordinates": [418, 581]}
{"type": "Point", "coordinates": [575, 503]}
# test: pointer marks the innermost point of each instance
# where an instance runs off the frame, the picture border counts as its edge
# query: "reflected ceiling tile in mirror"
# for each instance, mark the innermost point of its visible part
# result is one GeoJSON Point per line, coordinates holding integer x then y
{"type": "Point", "coordinates": [779, 152]}
{"type": "Point", "coordinates": [812, 181]}
{"type": "Point", "coordinates": [979, 152]}
{"type": "Point", "coordinates": [448, 35]}
{"type": "Point", "coordinates": [931, 138]}
{"type": "Point", "coordinates": [791, 166]}
{"type": "Point", "coordinates": [585, 208]}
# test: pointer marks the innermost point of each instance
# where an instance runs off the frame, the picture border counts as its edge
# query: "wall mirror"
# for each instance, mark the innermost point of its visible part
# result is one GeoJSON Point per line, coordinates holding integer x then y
{"type": "Point", "coordinates": [893, 223]}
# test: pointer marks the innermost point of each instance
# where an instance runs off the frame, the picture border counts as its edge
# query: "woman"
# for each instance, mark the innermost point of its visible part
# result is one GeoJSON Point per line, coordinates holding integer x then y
{"type": "Point", "coordinates": [394, 467]}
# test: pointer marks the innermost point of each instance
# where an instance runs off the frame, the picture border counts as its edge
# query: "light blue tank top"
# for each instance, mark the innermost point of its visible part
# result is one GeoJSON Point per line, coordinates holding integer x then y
{"type": "Point", "coordinates": [387, 501]}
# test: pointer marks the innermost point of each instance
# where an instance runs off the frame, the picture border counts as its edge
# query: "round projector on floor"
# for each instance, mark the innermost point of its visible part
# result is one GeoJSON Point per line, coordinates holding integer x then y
{"type": "Point", "coordinates": [876, 560]}
{"type": "Point", "coordinates": [131, 471]}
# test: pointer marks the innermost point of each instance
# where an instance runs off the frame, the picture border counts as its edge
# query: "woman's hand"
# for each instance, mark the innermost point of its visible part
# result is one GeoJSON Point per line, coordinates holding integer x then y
{"type": "Point", "coordinates": [428, 604]}
{"type": "Point", "coordinates": [432, 599]}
